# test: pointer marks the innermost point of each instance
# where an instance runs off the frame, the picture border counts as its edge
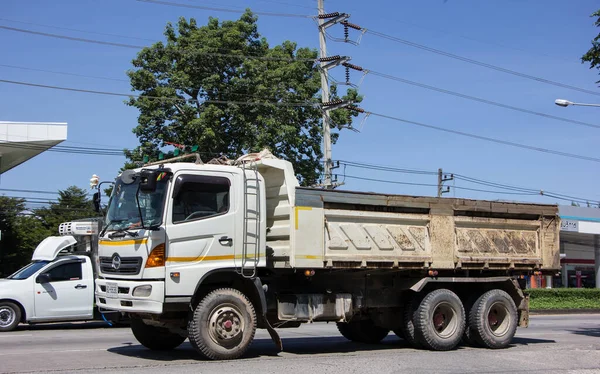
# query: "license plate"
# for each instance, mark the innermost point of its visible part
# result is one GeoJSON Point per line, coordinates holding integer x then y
{"type": "Point", "coordinates": [112, 290]}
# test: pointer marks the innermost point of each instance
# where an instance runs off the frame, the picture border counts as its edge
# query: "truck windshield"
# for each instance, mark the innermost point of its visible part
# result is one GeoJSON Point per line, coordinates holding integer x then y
{"type": "Point", "coordinates": [123, 212]}
{"type": "Point", "coordinates": [29, 270]}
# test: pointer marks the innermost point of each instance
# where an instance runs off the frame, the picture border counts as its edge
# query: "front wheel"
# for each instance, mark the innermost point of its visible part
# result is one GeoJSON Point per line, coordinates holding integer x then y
{"type": "Point", "coordinates": [155, 338]}
{"type": "Point", "coordinates": [10, 316]}
{"type": "Point", "coordinates": [223, 324]}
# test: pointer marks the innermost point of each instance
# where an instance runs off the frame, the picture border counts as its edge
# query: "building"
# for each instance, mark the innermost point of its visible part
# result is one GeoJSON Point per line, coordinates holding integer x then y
{"type": "Point", "coordinates": [579, 247]}
{"type": "Point", "coordinates": [21, 141]}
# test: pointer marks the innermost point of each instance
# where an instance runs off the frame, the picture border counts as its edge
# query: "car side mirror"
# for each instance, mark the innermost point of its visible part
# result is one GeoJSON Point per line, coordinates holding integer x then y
{"type": "Point", "coordinates": [43, 278]}
{"type": "Point", "coordinates": [148, 180]}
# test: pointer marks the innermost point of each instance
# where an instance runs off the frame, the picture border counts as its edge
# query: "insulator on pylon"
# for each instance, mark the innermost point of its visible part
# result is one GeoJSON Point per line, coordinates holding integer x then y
{"type": "Point", "coordinates": [351, 66]}
{"type": "Point", "coordinates": [346, 33]}
{"type": "Point", "coordinates": [334, 102]}
{"type": "Point", "coordinates": [328, 15]}
{"type": "Point", "coordinates": [355, 108]}
{"type": "Point", "coordinates": [351, 25]}
{"type": "Point", "coordinates": [347, 75]}
{"type": "Point", "coordinates": [330, 58]}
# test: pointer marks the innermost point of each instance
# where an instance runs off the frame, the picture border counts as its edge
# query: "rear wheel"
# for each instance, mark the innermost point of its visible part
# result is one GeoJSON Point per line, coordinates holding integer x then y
{"type": "Point", "coordinates": [10, 316]}
{"type": "Point", "coordinates": [440, 320]}
{"type": "Point", "coordinates": [362, 331]}
{"type": "Point", "coordinates": [493, 319]}
{"type": "Point", "coordinates": [408, 316]}
{"type": "Point", "coordinates": [155, 338]}
{"type": "Point", "coordinates": [223, 324]}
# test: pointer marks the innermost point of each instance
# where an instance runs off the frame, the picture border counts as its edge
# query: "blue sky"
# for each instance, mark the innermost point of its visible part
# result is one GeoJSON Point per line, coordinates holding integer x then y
{"type": "Point", "coordinates": [542, 38]}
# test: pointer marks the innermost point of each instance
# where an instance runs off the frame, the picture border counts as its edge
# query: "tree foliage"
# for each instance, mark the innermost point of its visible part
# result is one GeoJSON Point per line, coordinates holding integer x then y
{"type": "Point", "coordinates": [193, 92]}
{"type": "Point", "coordinates": [593, 54]}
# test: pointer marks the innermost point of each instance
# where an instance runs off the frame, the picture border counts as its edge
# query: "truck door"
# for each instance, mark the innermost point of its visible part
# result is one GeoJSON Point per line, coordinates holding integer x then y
{"type": "Point", "coordinates": [200, 228]}
{"type": "Point", "coordinates": [69, 294]}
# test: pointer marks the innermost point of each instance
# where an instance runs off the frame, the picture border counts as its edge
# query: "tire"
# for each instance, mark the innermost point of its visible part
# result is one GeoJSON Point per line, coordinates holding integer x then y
{"type": "Point", "coordinates": [223, 324]}
{"type": "Point", "coordinates": [408, 325]}
{"type": "Point", "coordinates": [440, 320]}
{"type": "Point", "coordinates": [468, 338]}
{"type": "Point", "coordinates": [155, 338]}
{"type": "Point", "coordinates": [362, 331]}
{"type": "Point", "coordinates": [10, 316]}
{"type": "Point", "coordinates": [493, 319]}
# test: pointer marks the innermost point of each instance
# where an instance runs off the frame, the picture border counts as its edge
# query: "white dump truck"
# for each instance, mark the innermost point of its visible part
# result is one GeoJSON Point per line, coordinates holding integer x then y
{"type": "Point", "coordinates": [211, 252]}
{"type": "Point", "coordinates": [58, 284]}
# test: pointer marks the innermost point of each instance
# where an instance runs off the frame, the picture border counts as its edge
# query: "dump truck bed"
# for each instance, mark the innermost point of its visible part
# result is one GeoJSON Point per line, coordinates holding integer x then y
{"type": "Point", "coordinates": [344, 229]}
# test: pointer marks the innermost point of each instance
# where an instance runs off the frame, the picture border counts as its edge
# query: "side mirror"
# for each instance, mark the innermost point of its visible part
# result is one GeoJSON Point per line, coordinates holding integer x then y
{"type": "Point", "coordinates": [96, 200]}
{"type": "Point", "coordinates": [43, 278]}
{"type": "Point", "coordinates": [148, 180]}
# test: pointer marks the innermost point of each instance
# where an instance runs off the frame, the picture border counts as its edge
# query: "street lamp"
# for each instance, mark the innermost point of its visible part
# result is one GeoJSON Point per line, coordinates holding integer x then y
{"type": "Point", "coordinates": [566, 103]}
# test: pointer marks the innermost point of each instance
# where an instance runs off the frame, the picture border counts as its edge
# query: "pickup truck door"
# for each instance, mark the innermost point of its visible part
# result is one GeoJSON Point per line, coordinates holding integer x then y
{"type": "Point", "coordinates": [69, 294]}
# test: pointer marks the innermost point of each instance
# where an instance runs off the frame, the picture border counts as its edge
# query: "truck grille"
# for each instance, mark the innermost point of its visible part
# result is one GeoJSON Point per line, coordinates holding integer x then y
{"type": "Point", "coordinates": [128, 265]}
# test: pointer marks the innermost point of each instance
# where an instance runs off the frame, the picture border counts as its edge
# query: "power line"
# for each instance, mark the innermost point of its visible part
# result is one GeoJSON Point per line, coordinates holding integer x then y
{"type": "Point", "coordinates": [385, 168]}
{"type": "Point", "coordinates": [202, 7]}
{"type": "Point", "coordinates": [485, 101]}
{"type": "Point", "coordinates": [29, 191]}
{"type": "Point", "coordinates": [304, 104]}
{"type": "Point", "coordinates": [73, 38]}
{"type": "Point", "coordinates": [493, 140]}
{"type": "Point", "coordinates": [76, 30]}
{"type": "Point", "coordinates": [512, 189]}
{"type": "Point", "coordinates": [479, 63]}
{"type": "Point", "coordinates": [132, 46]}
{"type": "Point", "coordinates": [63, 73]}
{"type": "Point", "coordinates": [388, 181]}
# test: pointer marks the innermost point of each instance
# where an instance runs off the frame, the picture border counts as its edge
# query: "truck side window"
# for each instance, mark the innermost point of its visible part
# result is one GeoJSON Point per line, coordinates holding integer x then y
{"type": "Point", "coordinates": [197, 197]}
{"type": "Point", "coordinates": [65, 272]}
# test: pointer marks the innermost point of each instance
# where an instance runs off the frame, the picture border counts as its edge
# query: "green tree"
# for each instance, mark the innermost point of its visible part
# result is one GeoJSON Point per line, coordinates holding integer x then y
{"type": "Point", "coordinates": [194, 93]}
{"type": "Point", "coordinates": [593, 54]}
{"type": "Point", "coordinates": [72, 204]}
{"type": "Point", "coordinates": [10, 209]}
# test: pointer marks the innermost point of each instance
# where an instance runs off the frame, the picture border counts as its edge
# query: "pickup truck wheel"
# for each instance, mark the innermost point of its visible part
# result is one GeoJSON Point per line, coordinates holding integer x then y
{"type": "Point", "coordinates": [10, 316]}
{"type": "Point", "coordinates": [155, 338]}
{"type": "Point", "coordinates": [223, 324]}
{"type": "Point", "coordinates": [362, 331]}
{"type": "Point", "coordinates": [493, 319]}
{"type": "Point", "coordinates": [440, 320]}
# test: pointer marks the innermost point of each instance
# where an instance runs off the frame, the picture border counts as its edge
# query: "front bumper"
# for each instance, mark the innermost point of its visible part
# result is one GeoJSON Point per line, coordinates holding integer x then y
{"type": "Point", "coordinates": [124, 301]}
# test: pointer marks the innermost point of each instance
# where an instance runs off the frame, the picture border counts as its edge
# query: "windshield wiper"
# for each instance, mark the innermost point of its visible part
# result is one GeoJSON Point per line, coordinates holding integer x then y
{"type": "Point", "coordinates": [110, 223]}
{"type": "Point", "coordinates": [120, 233]}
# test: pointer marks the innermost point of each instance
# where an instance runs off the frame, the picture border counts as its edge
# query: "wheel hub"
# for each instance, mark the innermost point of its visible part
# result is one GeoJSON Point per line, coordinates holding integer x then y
{"type": "Point", "coordinates": [7, 317]}
{"type": "Point", "coordinates": [444, 320]}
{"type": "Point", "coordinates": [225, 325]}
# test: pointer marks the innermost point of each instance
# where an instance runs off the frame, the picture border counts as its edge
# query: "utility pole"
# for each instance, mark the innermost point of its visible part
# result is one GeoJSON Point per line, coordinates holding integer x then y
{"type": "Point", "coordinates": [441, 179]}
{"type": "Point", "coordinates": [327, 20]}
{"type": "Point", "coordinates": [325, 98]}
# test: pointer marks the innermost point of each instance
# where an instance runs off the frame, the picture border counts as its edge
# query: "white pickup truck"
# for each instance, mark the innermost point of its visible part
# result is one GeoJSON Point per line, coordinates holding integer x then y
{"type": "Point", "coordinates": [58, 284]}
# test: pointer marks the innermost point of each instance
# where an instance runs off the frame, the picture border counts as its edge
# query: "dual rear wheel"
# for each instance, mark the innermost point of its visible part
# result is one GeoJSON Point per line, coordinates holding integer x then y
{"type": "Point", "coordinates": [438, 320]}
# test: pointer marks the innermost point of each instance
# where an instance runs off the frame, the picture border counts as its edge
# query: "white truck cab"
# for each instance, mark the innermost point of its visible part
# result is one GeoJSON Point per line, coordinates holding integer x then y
{"type": "Point", "coordinates": [53, 287]}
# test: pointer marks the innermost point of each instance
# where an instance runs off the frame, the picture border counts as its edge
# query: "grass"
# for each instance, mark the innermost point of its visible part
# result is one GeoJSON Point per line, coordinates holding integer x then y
{"type": "Point", "coordinates": [564, 298]}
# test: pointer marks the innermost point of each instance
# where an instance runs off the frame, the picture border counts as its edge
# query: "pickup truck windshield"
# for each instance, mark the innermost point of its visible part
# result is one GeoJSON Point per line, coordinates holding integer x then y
{"type": "Point", "coordinates": [123, 212]}
{"type": "Point", "coordinates": [29, 270]}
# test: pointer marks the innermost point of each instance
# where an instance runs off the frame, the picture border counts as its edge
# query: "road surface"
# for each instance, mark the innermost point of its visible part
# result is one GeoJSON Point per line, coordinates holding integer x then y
{"type": "Point", "coordinates": [557, 344]}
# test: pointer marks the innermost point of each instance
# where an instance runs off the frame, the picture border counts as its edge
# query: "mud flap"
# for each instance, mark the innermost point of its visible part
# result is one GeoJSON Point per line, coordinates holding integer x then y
{"type": "Point", "coordinates": [263, 303]}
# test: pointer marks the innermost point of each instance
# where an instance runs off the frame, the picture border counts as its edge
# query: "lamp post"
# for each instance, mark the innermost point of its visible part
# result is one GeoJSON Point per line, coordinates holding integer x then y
{"type": "Point", "coordinates": [566, 103]}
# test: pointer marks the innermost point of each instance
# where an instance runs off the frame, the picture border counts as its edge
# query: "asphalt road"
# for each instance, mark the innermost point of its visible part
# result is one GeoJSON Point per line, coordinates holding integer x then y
{"type": "Point", "coordinates": [552, 344]}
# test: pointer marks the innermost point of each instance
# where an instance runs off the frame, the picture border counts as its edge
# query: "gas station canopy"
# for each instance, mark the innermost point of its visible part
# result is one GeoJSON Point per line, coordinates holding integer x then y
{"type": "Point", "coordinates": [21, 141]}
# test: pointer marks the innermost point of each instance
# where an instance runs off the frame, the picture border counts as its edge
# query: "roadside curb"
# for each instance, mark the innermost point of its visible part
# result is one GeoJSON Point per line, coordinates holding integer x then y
{"type": "Point", "coordinates": [563, 311]}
